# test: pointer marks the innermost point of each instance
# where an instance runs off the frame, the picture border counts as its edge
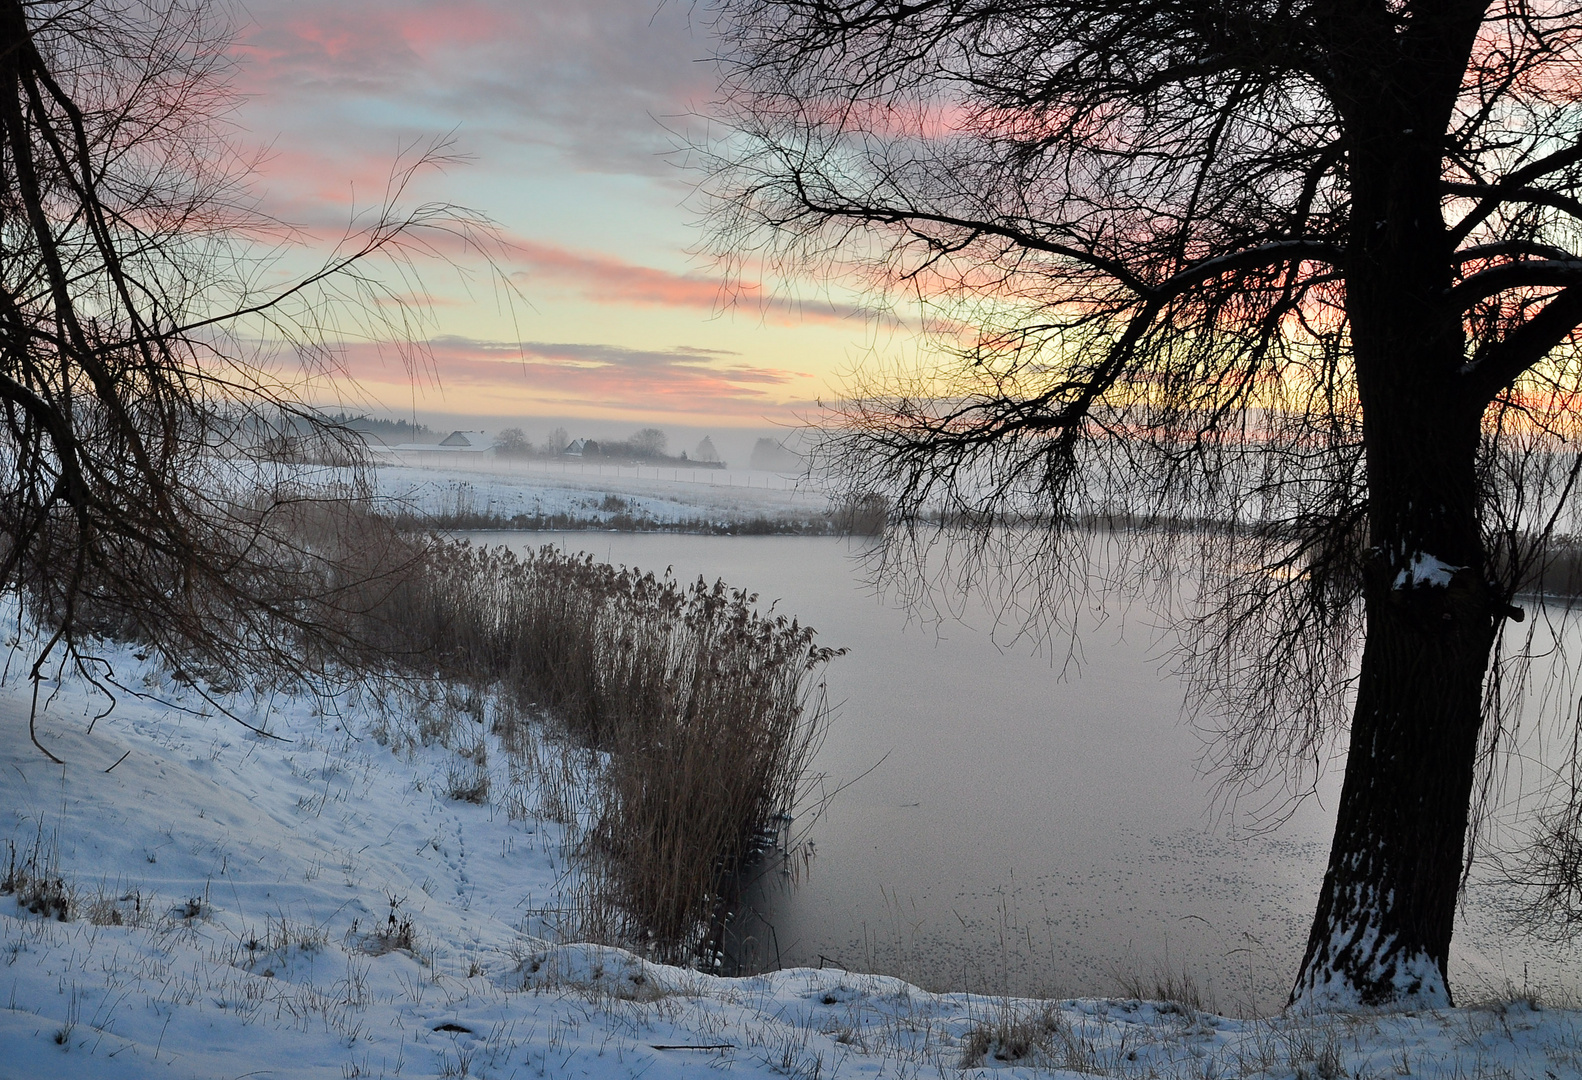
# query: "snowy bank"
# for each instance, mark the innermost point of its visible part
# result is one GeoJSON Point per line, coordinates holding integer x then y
{"type": "Point", "coordinates": [316, 903]}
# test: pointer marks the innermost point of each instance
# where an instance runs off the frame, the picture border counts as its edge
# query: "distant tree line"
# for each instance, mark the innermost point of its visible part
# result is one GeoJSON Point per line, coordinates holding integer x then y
{"type": "Point", "coordinates": [647, 445]}
{"type": "Point", "coordinates": [401, 430]}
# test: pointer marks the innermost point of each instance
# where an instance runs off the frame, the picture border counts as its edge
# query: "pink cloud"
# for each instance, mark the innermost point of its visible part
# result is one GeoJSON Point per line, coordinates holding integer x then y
{"type": "Point", "coordinates": [538, 93]}
{"type": "Point", "coordinates": [680, 380]}
{"type": "Point", "coordinates": [612, 280]}
{"type": "Point", "coordinates": [606, 279]}
{"type": "Point", "coordinates": [349, 41]}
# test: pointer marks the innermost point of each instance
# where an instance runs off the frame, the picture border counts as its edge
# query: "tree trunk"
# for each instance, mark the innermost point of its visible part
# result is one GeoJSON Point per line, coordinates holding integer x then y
{"type": "Point", "coordinates": [1382, 931]}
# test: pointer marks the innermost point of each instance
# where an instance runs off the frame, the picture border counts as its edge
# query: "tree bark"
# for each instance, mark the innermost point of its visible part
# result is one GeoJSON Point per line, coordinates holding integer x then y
{"type": "Point", "coordinates": [1381, 934]}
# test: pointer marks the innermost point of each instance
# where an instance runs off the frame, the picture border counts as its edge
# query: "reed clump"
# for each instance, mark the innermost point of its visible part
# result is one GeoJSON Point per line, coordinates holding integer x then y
{"type": "Point", "coordinates": [704, 711]}
{"type": "Point", "coordinates": [707, 712]}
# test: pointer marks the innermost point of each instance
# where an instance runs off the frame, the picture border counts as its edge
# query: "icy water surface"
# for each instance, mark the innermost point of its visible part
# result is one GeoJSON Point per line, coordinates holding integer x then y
{"type": "Point", "coordinates": [1002, 827]}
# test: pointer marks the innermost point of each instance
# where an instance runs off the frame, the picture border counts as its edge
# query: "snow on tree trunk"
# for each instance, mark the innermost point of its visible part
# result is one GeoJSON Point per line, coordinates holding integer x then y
{"type": "Point", "coordinates": [1381, 934]}
{"type": "Point", "coordinates": [1382, 931]}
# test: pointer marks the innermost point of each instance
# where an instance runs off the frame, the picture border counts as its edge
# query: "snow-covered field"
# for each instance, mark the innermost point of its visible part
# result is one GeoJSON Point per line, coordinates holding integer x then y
{"type": "Point", "coordinates": [316, 903]}
{"type": "Point", "coordinates": [506, 489]}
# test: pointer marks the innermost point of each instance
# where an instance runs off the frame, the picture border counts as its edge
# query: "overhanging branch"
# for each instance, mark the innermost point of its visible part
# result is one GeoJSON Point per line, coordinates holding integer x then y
{"type": "Point", "coordinates": [1513, 188]}
{"type": "Point", "coordinates": [1272, 253]}
{"type": "Point", "coordinates": [1493, 195]}
{"type": "Point", "coordinates": [1497, 365]}
{"type": "Point", "coordinates": [1531, 273]}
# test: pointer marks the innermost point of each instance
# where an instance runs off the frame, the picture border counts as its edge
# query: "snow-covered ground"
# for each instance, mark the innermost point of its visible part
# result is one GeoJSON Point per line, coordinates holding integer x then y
{"type": "Point", "coordinates": [316, 903]}
{"type": "Point", "coordinates": [504, 489]}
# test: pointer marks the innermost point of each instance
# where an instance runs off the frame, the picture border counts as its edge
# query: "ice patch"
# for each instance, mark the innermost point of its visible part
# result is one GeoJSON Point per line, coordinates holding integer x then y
{"type": "Point", "coordinates": [1425, 570]}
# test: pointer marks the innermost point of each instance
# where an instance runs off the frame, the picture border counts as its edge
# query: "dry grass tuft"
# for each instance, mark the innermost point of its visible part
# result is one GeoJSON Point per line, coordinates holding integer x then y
{"type": "Point", "coordinates": [397, 933]}
{"type": "Point", "coordinates": [866, 515]}
{"type": "Point", "coordinates": [34, 878]}
{"type": "Point", "coordinates": [1034, 1034]}
{"type": "Point", "coordinates": [468, 779]}
{"type": "Point", "coordinates": [1168, 987]}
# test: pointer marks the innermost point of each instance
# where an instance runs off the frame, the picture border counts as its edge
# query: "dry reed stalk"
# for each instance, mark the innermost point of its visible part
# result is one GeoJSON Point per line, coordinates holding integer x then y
{"type": "Point", "coordinates": [709, 712]}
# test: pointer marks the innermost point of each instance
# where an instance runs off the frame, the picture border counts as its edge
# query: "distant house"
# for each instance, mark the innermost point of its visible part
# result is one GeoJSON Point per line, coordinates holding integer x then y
{"type": "Point", "coordinates": [467, 440]}
{"type": "Point", "coordinates": [457, 442]}
{"type": "Point", "coordinates": [582, 448]}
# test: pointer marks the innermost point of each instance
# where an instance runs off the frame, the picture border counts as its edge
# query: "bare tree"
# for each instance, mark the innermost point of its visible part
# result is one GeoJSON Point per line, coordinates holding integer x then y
{"type": "Point", "coordinates": [1291, 288]}
{"type": "Point", "coordinates": [556, 441]}
{"type": "Point", "coordinates": [151, 487]}
{"type": "Point", "coordinates": [513, 442]}
{"type": "Point", "coordinates": [649, 442]}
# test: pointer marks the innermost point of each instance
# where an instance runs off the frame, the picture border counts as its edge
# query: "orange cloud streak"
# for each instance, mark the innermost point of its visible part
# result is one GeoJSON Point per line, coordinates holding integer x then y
{"type": "Point", "coordinates": [606, 279]}
{"type": "Point", "coordinates": [679, 380]}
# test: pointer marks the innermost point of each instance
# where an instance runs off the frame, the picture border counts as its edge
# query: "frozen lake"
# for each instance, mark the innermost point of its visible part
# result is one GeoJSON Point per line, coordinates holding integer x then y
{"type": "Point", "coordinates": [1002, 828]}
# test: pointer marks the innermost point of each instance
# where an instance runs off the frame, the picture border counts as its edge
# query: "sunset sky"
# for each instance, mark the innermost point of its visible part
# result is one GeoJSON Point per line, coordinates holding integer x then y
{"type": "Point", "coordinates": [562, 111]}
